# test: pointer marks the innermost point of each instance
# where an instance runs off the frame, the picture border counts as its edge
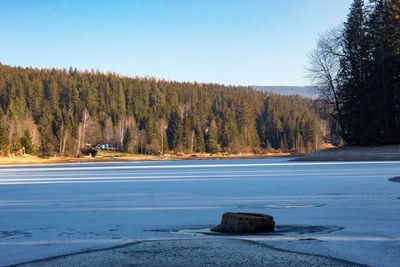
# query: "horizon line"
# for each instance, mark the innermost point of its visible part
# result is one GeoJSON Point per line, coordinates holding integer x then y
{"type": "Point", "coordinates": [146, 77]}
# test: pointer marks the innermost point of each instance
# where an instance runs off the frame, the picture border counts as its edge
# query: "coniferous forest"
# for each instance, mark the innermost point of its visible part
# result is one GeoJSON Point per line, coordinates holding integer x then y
{"type": "Point", "coordinates": [356, 68]}
{"type": "Point", "coordinates": [64, 112]}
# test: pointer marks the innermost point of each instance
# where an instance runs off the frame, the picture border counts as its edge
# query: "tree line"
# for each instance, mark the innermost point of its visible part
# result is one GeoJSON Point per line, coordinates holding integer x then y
{"type": "Point", "coordinates": [356, 68]}
{"type": "Point", "coordinates": [63, 112]}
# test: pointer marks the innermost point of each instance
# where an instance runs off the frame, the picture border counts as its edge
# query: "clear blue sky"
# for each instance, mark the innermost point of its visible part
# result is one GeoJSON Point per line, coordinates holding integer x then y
{"type": "Point", "coordinates": [231, 42]}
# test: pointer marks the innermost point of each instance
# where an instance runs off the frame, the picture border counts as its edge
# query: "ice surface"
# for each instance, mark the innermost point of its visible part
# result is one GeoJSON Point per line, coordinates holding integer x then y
{"type": "Point", "coordinates": [53, 210]}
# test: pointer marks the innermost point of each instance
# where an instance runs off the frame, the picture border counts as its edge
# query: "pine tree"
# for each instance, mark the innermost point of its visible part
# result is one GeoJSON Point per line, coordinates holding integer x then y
{"type": "Point", "coordinates": [127, 141]}
{"type": "Point", "coordinates": [247, 124]}
{"type": "Point", "coordinates": [26, 143]}
{"type": "Point", "coordinates": [212, 139]}
{"type": "Point", "coordinates": [45, 129]}
{"type": "Point", "coordinates": [187, 136]}
{"type": "Point", "coordinates": [153, 142]}
{"type": "Point", "coordinates": [200, 143]}
{"type": "Point", "coordinates": [394, 29]}
{"type": "Point", "coordinates": [228, 132]}
{"type": "Point", "coordinates": [354, 74]}
{"type": "Point", "coordinates": [3, 141]}
{"type": "Point", "coordinates": [383, 72]}
{"type": "Point", "coordinates": [174, 131]}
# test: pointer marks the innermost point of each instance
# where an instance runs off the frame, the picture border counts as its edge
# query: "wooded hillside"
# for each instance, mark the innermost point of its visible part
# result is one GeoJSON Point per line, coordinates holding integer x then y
{"type": "Point", "coordinates": [60, 112]}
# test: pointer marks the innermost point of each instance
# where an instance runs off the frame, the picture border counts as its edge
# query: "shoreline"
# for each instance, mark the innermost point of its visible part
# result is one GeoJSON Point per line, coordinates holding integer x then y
{"type": "Point", "coordinates": [354, 153]}
{"type": "Point", "coordinates": [345, 153]}
{"type": "Point", "coordinates": [34, 160]}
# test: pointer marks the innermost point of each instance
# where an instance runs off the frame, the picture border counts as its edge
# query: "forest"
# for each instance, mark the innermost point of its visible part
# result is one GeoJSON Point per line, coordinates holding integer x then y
{"type": "Point", "coordinates": [356, 68]}
{"type": "Point", "coordinates": [65, 112]}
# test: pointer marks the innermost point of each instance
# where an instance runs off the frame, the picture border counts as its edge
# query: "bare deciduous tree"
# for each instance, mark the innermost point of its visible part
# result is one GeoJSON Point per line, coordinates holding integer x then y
{"type": "Point", "coordinates": [63, 135]}
{"type": "Point", "coordinates": [108, 130]}
{"type": "Point", "coordinates": [324, 69]}
{"type": "Point", "coordinates": [163, 128]}
{"type": "Point", "coordinates": [82, 130]}
{"type": "Point", "coordinates": [123, 124]}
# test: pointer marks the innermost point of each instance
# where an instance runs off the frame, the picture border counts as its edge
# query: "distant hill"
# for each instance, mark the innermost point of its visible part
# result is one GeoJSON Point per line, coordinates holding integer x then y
{"type": "Point", "coordinates": [306, 91]}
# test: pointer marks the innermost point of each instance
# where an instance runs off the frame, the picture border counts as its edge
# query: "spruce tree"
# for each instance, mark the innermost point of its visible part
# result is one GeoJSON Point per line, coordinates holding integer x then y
{"type": "Point", "coordinates": [153, 142]}
{"type": "Point", "coordinates": [212, 139]}
{"type": "Point", "coordinates": [174, 131]}
{"type": "Point", "coordinates": [127, 141]}
{"type": "Point", "coordinates": [200, 143]}
{"type": "Point", "coordinates": [45, 129]}
{"type": "Point", "coordinates": [3, 141]}
{"type": "Point", "coordinates": [353, 75]}
{"type": "Point", "coordinates": [26, 143]}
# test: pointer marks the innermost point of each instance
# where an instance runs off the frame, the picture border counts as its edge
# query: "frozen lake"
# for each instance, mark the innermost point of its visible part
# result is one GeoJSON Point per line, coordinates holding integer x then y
{"type": "Point", "coordinates": [345, 210]}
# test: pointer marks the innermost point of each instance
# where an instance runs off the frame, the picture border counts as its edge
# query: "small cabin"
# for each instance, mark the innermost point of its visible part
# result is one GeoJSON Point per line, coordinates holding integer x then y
{"type": "Point", "coordinates": [103, 146]}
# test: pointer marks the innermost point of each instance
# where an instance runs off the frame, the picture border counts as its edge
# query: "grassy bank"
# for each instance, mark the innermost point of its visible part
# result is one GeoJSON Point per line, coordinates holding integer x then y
{"type": "Point", "coordinates": [355, 153]}
{"type": "Point", "coordinates": [115, 156]}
